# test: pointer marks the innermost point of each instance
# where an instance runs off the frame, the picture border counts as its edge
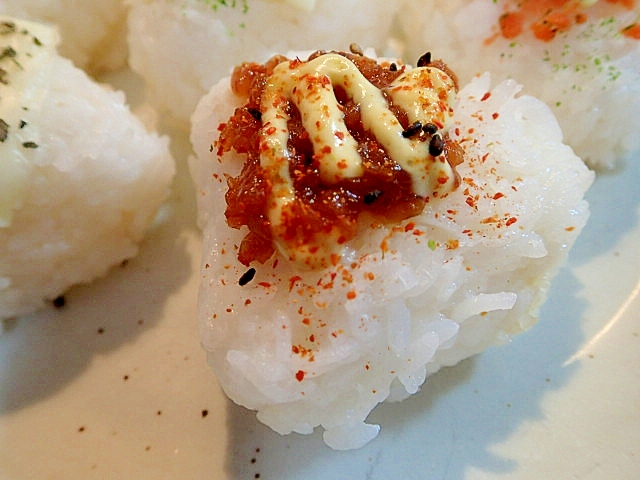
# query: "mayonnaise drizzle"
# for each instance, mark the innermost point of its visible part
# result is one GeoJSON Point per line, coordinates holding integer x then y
{"type": "Point", "coordinates": [424, 93]}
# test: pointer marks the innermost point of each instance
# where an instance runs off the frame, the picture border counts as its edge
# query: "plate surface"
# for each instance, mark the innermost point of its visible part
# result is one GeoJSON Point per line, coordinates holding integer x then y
{"type": "Point", "coordinates": [115, 384]}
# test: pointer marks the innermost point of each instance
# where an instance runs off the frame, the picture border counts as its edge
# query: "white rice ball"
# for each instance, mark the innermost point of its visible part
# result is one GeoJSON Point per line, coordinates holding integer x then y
{"type": "Point", "coordinates": [589, 74]}
{"type": "Point", "coordinates": [324, 347]}
{"type": "Point", "coordinates": [80, 177]}
{"type": "Point", "coordinates": [182, 47]}
{"type": "Point", "coordinates": [93, 32]}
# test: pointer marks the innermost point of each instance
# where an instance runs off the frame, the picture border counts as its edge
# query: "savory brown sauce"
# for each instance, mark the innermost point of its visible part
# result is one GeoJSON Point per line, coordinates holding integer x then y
{"type": "Point", "coordinates": [319, 216]}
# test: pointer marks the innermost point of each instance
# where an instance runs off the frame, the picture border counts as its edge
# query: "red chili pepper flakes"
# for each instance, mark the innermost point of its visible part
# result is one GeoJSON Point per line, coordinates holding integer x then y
{"type": "Point", "coordinates": [469, 181]}
{"type": "Point", "coordinates": [265, 284]}
{"type": "Point", "coordinates": [453, 244]}
{"type": "Point", "coordinates": [303, 351]}
{"type": "Point", "coordinates": [335, 333]}
{"type": "Point", "coordinates": [492, 219]}
{"type": "Point", "coordinates": [328, 286]}
{"type": "Point", "coordinates": [347, 277]}
{"type": "Point", "coordinates": [351, 295]}
{"type": "Point", "coordinates": [384, 246]}
{"type": "Point", "coordinates": [498, 195]}
{"type": "Point", "coordinates": [511, 221]}
{"type": "Point", "coordinates": [293, 281]}
{"type": "Point", "coordinates": [300, 375]}
{"type": "Point", "coordinates": [485, 97]}
{"type": "Point", "coordinates": [511, 24]}
{"type": "Point", "coordinates": [495, 115]}
{"type": "Point", "coordinates": [570, 229]}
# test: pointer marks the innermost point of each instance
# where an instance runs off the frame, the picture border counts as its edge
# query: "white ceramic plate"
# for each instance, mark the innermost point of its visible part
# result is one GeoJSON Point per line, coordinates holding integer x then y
{"type": "Point", "coordinates": [115, 384]}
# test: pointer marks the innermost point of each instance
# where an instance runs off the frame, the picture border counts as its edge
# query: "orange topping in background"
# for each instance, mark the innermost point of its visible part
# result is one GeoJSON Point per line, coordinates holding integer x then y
{"type": "Point", "coordinates": [625, 3]}
{"type": "Point", "coordinates": [545, 18]}
{"type": "Point", "coordinates": [511, 24]}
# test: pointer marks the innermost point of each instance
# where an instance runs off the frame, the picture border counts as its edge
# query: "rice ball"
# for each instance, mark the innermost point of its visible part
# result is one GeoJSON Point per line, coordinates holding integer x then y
{"type": "Point", "coordinates": [93, 32]}
{"type": "Point", "coordinates": [321, 347]}
{"type": "Point", "coordinates": [581, 58]}
{"type": "Point", "coordinates": [81, 179]}
{"type": "Point", "coordinates": [181, 48]}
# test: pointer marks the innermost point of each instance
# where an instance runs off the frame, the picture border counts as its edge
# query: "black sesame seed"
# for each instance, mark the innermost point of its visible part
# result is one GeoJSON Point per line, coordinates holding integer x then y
{"type": "Point", "coordinates": [393, 67]}
{"type": "Point", "coordinates": [355, 49]}
{"type": "Point", "coordinates": [247, 277]}
{"type": "Point", "coordinates": [59, 302]}
{"type": "Point", "coordinates": [255, 113]}
{"type": "Point", "coordinates": [412, 129]}
{"type": "Point", "coordinates": [371, 197]}
{"type": "Point", "coordinates": [205, 413]}
{"type": "Point", "coordinates": [30, 145]}
{"type": "Point", "coordinates": [436, 146]}
{"type": "Point", "coordinates": [424, 60]}
{"type": "Point", "coordinates": [430, 128]}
